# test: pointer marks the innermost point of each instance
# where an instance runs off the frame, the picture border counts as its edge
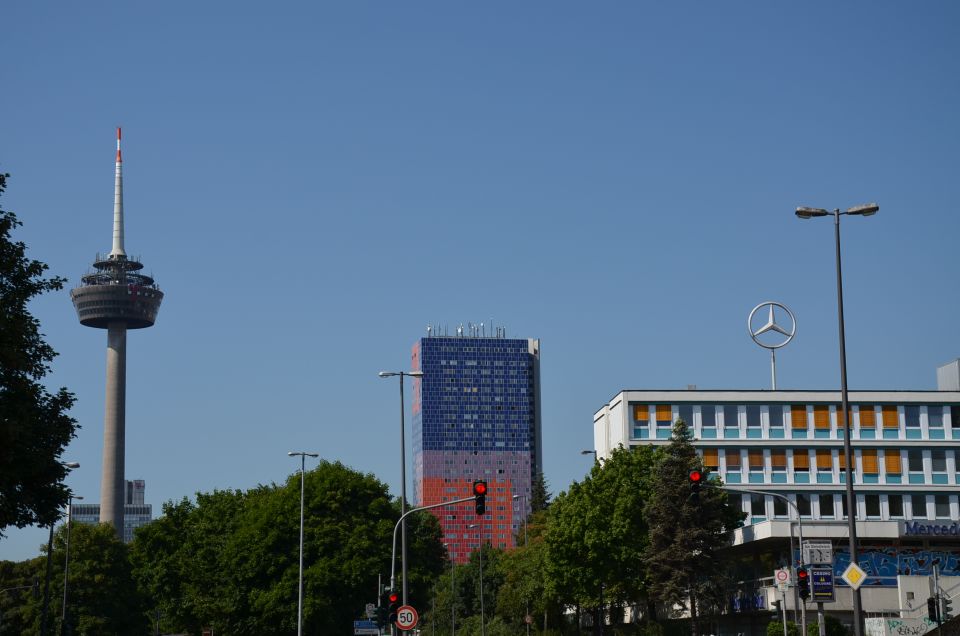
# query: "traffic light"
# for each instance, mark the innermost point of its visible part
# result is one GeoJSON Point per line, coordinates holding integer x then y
{"type": "Point", "coordinates": [382, 611]}
{"type": "Point", "coordinates": [695, 477]}
{"type": "Point", "coordinates": [946, 607]}
{"type": "Point", "coordinates": [803, 583]}
{"type": "Point", "coordinates": [480, 495]}
{"type": "Point", "coordinates": [393, 604]}
{"type": "Point", "coordinates": [932, 609]}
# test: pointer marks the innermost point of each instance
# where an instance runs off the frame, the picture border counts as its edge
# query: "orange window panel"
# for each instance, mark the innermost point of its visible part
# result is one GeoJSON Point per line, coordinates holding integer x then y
{"type": "Point", "coordinates": [868, 457]}
{"type": "Point", "coordinates": [798, 416]}
{"type": "Point", "coordinates": [801, 459]}
{"type": "Point", "coordinates": [711, 458]}
{"type": "Point", "coordinates": [733, 459]}
{"type": "Point", "coordinates": [755, 459]}
{"type": "Point", "coordinates": [821, 416]}
{"type": "Point", "coordinates": [664, 413]}
{"type": "Point", "coordinates": [868, 416]}
{"type": "Point", "coordinates": [890, 417]}
{"type": "Point", "coordinates": [641, 412]}
{"type": "Point", "coordinates": [842, 460]}
{"type": "Point", "coordinates": [840, 421]}
{"type": "Point", "coordinates": [778, 459]}
{"type": "Point", "coordinates": [891, 461]}
{"type": "Point", "coordinates": [824, 459]}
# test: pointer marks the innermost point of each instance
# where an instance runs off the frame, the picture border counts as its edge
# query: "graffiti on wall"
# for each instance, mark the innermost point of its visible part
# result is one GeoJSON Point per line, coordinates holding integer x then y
{"type": "Point", "coordinates": [884, 563]}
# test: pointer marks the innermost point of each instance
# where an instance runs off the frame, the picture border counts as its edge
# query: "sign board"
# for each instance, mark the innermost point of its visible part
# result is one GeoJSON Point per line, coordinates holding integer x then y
{"type": "Point", "coordinates": [782, 577]}
{"type": "Point", "coordinates": [821, 584]}
{"type": "Point", "coordinates": [365, 627]}
{"type": "Point", "coordinates": [407, 617]}
{"type": "Point", "coordinates": [854, 576]}
{"type": "Point", "coordinates": [817, 552]}
{"type": "Point", "coordinates": [371, 610]}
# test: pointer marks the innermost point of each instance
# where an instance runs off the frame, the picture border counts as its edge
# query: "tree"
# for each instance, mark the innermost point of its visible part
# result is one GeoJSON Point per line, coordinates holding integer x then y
{"type": "Point", "coordinates": [539, 494]}
{"type": "Point", "coordinates": [686, 533]}
{"type": "Point", "coordinates": [34, 425]}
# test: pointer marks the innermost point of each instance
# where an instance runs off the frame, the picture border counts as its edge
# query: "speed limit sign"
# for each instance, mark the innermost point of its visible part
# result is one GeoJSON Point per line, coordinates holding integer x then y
{"type": "Point", "coordinates": [407, 617]}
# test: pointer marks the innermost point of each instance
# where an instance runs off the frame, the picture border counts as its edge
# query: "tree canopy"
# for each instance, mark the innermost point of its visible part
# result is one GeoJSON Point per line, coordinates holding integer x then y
{"type": "Point", "coordinates": [34, 425]}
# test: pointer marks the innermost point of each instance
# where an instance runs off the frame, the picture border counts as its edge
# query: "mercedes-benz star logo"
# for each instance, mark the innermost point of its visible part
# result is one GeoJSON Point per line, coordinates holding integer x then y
{"type": "Point", "coordinates": [771, 326]}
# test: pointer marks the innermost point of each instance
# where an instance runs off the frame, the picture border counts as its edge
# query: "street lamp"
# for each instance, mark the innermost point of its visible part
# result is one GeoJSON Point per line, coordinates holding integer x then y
{"type": "Point", "coordinates": [483, 627]}
{"type": "Point", "coordinates": [403, 475]}
{"type": "Point", "coordinates": [303, 458]}
{"type": "Point", "coordinates": [64, 628]}
{"type": "Point", "coordinates": [46, 584]}
{"type": "Point", "coordinates": [526, 618]}
{"type": "Point", "coordinates": [590, 452]}
{"type": "Point", "coordinates": [861, 210]}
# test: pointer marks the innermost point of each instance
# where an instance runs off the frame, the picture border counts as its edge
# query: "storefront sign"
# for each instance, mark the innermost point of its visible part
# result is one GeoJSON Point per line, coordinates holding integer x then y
{"type": "Point", "coordinates": [929, 529]}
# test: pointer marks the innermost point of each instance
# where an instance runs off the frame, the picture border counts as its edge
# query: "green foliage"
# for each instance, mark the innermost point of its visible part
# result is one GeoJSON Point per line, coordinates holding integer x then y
{"type": "Point", "coordinates": [539, 494]}
{"type": "Point", "coordinates": [231, 560]}
{"type": "Point", "coordinates": [34, 425]}
{"type": "Point", "coordinates": [833, 626]}
{"type": "Point", "coordinates": [685, 534]}
{"type": "Point", "coordinates": [775, 628]}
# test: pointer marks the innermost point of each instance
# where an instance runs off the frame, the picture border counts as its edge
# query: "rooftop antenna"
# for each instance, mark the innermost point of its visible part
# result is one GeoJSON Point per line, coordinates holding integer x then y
{"type": "Point", "coordinates": [117, 251]}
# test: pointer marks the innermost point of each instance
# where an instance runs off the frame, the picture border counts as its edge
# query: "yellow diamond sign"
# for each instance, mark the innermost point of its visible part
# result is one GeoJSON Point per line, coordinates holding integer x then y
{"type": "Point", "coordinates": [854, 576]}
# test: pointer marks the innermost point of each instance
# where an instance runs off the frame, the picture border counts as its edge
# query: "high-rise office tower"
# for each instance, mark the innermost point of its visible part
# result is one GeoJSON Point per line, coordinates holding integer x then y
{"type": "Point", "coordinates": [476, 416]}
{"type": "Point", "coordinates": [136, 511]}
{"type": "Point", "coordinates": [116, 297]}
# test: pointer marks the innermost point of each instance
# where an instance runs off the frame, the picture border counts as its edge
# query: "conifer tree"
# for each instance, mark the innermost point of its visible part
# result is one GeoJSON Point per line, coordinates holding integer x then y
{"type": "Point", "coordinates": [686, 532]}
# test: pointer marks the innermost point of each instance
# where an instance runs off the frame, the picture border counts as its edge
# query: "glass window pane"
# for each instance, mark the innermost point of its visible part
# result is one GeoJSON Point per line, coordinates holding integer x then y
{"type": "Point", "coordinates": [730, 416]}
{"type": "Point", "coordinates": [915, 460]}
{"type": "Point", "coordinates": [872, 504]}
{"type": "Point", "coordinates": [912, 416]}
{"type": "Point", "coordinates": [779, 507]}
{"type": "Point", "coordinates": [938, 460]}
{"type": "Point", "coordinates": [758, 505]}
{"type": "Point", "coordinates": [776, 416]}
{"type": "Point", "coordinates": [686, 414]}
{"type": "Point", "coordinates": [935, 416]}
{"type": "Point", "coordinates": [941, 504]}
{"type": "Point", "coordinates": [753, 415]}
{"type": "Point", "coordinates": [919, 505]}
{"type": "Point", "coordinates": [826, 506]}
{"type": "Point", "coordinates": [803, 504]}
{"type": "Point", "coordinates": [843, 506]}
{"type": "Point", "coordinates": [896, 505]}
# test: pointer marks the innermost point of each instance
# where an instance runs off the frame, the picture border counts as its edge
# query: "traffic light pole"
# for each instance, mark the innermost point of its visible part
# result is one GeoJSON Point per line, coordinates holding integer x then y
{"type": "Point", "coordinates": [393, 556]}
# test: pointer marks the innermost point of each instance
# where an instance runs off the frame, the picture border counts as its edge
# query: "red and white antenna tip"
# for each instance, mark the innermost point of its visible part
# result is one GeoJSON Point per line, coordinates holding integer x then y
{"type": "Point", "coordinates": [119, 158]}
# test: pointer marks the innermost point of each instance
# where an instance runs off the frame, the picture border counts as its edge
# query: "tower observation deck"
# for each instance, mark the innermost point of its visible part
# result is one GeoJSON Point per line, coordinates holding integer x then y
{"type": "Point", "coordinates": [116, 296]}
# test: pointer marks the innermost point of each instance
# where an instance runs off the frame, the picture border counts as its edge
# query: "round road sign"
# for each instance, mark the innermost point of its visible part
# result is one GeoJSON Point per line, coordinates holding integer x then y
{"type": "Point", "coordinates": [783, 576]}
{"type": "Point", "coordinates": [407, 617]}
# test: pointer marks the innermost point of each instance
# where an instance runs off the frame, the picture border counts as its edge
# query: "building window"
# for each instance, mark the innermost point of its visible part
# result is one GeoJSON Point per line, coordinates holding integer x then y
{"type": "Point", "coordinates": [641, 413]}
{"type": "Point", "coordinates": [801, 460]}
{"type": "Point", "coordinates": [821, 418]}
{"type": "Point", "coordinates": [915, 460]}
{"type": "Point", "coordinates": [941, 506]}
{"type": "Point", "coordinates": [758, 507]}
{"type": "Point", "coordinates": [895, 503]}
{"type": "Point", "coordinates": [776, 416]}
{"type": "Point", "coordinates": [778, 460]}
{"type": "Point", "coordinates": [755, 460]}
{"type": "Point", "coordinates": [868, 458]}
{"type": "Point", "coordinates": [826, 506]}
{"type": "Point", "coordinates": [753, 416]}
{"type": "Point", "coordinates": [868, 417]}
{"type": "Point", "coordinates": [891, 460]}
{"type": "Point", "coordinates": [686, 414]}
{"type": "Point", "coordinates": [824, 460]}
{"type": "Point", "coordinates": [872, 505]}
{"type": "Point", "coordinates": [798, 417]}
{"type": "Point", "coordinates": [732, 456]}
{"type": "Point", "coordinates": [711, 459]}
{"type": "Point", "coordinates": [890, 418]}
{"type": "Point", "coordinates": [708, 415]}
{"type": "Point", "coordinates": [918, 504]}
{"type": "Point", "coordinates": [803, 504]}
{"type": "Point", "coordinates": [935, 416]}
{"type": "Point", "coordinates": [730, 419]}
{"type": "Point", "coordinates": [664, 415]}
{"type": "Point", "coordinates": [911, 416]}
{"type": "Point", "coordinates": [938, 460]}
{"type": "Point", "coordinates": [779, 507]}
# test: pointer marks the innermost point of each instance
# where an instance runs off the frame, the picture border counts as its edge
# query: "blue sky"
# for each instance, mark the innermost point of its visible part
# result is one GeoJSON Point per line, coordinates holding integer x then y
{"type": "Point", "coordinates": [312, 184]}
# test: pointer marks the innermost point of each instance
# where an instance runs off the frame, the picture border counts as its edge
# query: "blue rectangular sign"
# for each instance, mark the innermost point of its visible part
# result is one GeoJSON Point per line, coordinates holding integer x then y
{"type": "Point", "coordinates": [821, 584]}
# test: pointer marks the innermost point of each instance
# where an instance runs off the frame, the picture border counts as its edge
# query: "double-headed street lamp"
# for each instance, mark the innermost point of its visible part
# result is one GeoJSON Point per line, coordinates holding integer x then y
{"type": "Point", "coordinates": [303, 458]}
{"type": "Point", "coordinates": [403, 475]}
{"type": "Point", "coordinates": [64, 627]}
{"type": "Point", "coordinates": [861, 210]}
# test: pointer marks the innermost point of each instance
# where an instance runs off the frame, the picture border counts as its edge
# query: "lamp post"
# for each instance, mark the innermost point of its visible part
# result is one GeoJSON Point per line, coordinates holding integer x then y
{"type": "Point", "coordinates": [526, 618]}
{"type": "Point", "coordinates": [861, 210]}
{"type": "Point", "coordinates": [46, 584]}
{"type": "Point", "coordinates": [483, 627]}
{"type": "Point", "coordinates": [591, 452]}
{"type": "Point", "coordinates": [64, 627]}
{"type": "Point", "coordinates": [403, 475]}
{"type": "Point", "coordinates": [303, 458]}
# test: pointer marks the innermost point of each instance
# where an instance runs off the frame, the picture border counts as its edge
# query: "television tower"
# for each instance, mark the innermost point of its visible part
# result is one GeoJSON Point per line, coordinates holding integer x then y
{"type": "Point", "coordinates": [116, 297]}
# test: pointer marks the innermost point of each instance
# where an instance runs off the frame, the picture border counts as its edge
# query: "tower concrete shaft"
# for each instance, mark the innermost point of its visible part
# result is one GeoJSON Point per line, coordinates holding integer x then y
{"type": "Point", "coordinates": [116, 297]}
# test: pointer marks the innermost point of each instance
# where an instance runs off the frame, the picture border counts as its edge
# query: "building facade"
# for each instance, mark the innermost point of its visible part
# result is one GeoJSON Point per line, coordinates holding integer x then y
{"type": "Point", "coordinates": [476, 416]}
{"type": "Point", "coordinates": [136, 512]}
{"type": "Point", "coordinates": [906, 454]}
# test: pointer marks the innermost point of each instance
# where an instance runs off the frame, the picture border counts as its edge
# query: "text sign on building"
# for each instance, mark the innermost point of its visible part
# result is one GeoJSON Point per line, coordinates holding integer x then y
{"type": "Point", "coordinates": [929, 529]}
{"type": "Point", "coordinates": [821, 584]}
{"type": "Point", "coordinates": [817, 552]}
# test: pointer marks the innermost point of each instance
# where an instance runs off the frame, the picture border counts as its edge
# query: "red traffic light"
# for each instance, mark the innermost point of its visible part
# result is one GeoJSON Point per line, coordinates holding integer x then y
{"type": "Point", "coordinates": [802, 574]}
{"type": "Point", "coordinates": [696, 477]}
{"type": "Point", "coordinates": [479, 487]}
{"type": "Point", "coordinates": [394, 597]}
